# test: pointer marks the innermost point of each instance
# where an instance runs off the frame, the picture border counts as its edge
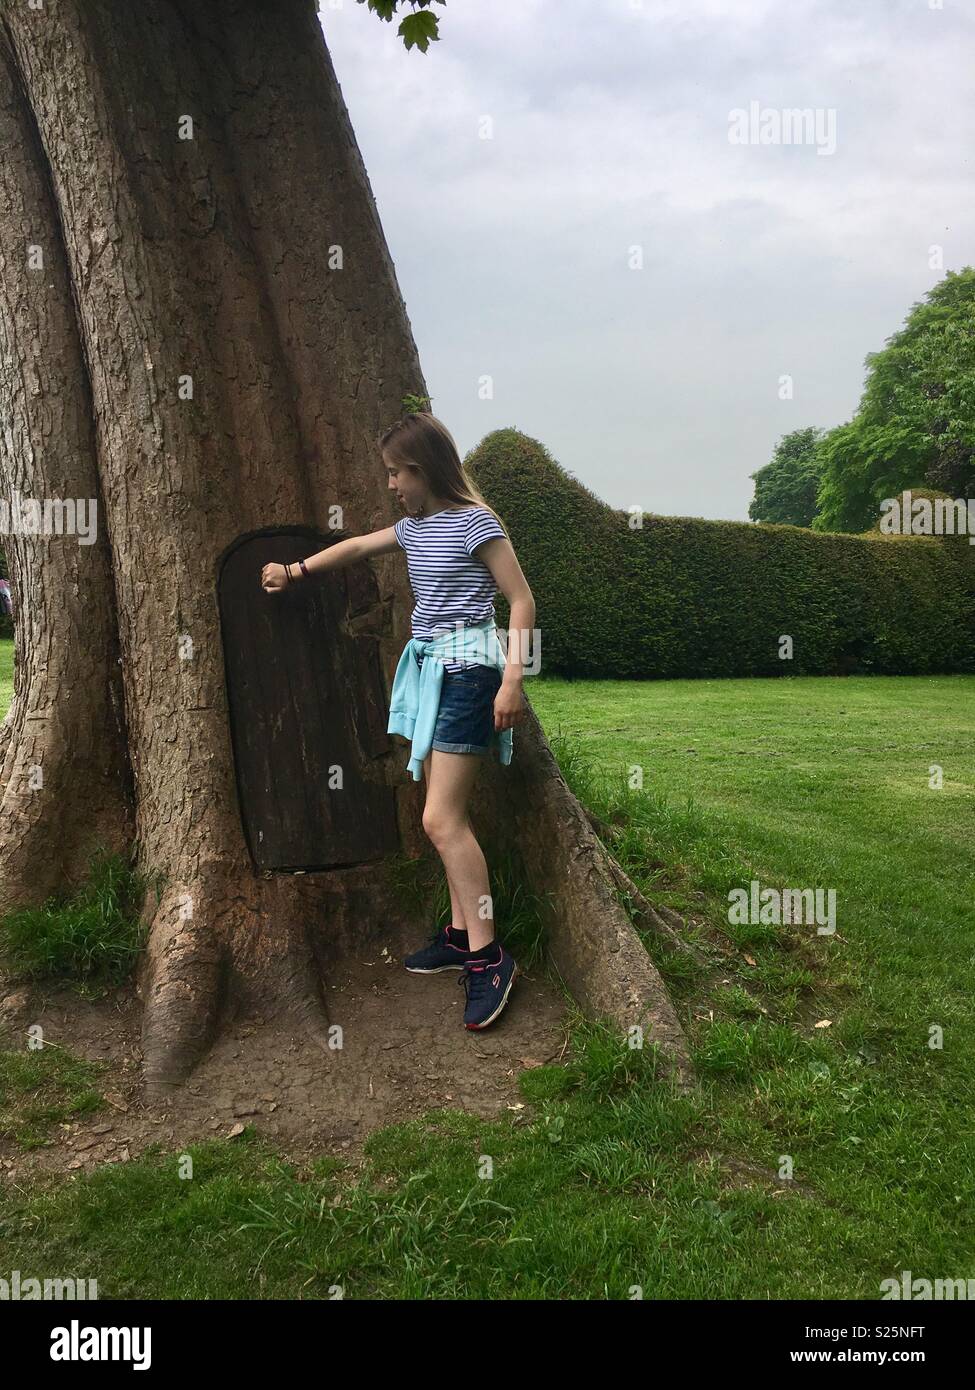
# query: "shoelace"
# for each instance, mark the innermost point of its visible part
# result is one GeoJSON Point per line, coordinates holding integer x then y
{"type": "Point", "coordinates": [474, 979]}
{"type": "Point", "coordinates": [473, 982]}
{"type": "Point", "coordinates": [440, 937]}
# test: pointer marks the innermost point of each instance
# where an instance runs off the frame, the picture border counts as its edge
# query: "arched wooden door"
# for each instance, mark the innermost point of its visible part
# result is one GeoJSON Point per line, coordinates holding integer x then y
{"type": "Point", "coordinates": [307, 710]}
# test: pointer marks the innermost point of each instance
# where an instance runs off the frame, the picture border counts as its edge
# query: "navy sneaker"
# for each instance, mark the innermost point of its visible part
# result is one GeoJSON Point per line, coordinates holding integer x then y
{"type": "Point", "coordinates": [488, 984]}
{"type": "Point", "coordinates": [448, 950]}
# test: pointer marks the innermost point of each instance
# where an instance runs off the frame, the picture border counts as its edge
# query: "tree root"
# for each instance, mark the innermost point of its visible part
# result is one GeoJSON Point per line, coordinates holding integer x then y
{"type": "Point", "coordinates": [653, 917]}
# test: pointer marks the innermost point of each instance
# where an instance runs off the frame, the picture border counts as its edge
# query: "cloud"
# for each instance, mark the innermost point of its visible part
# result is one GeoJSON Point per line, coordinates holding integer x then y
{"type": "Point", "coordinates": [609, 129]}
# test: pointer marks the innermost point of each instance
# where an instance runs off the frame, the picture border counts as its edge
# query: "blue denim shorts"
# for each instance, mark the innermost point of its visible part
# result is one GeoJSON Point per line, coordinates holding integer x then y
{"type": "Point", "coordinates": [465, 718]}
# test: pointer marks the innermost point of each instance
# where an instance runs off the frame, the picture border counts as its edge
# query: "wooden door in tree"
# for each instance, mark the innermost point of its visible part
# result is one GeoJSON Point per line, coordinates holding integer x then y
{"type": "Point", "coordinates": [307, 710]}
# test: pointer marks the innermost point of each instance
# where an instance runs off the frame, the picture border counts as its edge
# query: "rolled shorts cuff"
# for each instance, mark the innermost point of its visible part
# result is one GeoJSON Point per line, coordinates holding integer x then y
{"type": "Point", "coordinates": [458, 747]}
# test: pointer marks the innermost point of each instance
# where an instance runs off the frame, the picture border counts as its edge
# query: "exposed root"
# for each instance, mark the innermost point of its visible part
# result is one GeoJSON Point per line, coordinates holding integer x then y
{"type": "Point", "coordinates": [309, 1018]}
{"type": "Point", "coordinates": [653, 917]}
{"type": "Point", "coordinates": [181, 989]}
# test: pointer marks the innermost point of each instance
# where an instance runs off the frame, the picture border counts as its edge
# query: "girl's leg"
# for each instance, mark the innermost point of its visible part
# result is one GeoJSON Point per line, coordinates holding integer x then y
{"type": "Point", "coordinates": [449, 783]}
{"type": "Point", "coordinates": [456, 909]}
{"type": "Point", "coordinates": [456, 906]}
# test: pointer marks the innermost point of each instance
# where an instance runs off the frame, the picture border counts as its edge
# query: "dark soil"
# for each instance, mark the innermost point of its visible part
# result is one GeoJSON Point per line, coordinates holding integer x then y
{"type": "Point", "coordinates": [405, 1051]}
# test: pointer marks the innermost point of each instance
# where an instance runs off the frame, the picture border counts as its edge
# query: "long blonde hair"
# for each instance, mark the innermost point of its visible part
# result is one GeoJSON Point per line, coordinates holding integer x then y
{"type": "Point", "coordinates": [422, 442]}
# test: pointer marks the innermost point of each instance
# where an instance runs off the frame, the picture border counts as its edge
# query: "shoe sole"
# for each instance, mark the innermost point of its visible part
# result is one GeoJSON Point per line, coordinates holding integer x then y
{"type": "Point", "coordinates": [476, 1027]}
{"type": "Point", "coordinates": [434, 970]}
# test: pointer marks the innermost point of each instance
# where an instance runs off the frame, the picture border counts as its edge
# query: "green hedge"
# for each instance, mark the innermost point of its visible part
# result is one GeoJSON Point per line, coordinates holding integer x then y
{"type": "Point", "coordinates": [684, 597]}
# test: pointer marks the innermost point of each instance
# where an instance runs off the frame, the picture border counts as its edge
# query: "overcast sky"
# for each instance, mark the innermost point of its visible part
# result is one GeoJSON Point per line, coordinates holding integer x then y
{"type": "Point", "coordinates": [609, 124]}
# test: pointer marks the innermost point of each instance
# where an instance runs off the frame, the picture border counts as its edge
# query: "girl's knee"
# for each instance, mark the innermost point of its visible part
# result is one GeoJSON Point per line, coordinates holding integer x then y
{"type": "Point", "coordinates": [432, 823]}
{"type": "Point", "coordinates": [441, 827]}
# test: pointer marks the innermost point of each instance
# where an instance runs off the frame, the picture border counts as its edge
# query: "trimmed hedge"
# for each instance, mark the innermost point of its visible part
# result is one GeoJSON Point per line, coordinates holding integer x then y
{"type": "Point", "coordinates": [684, 597]}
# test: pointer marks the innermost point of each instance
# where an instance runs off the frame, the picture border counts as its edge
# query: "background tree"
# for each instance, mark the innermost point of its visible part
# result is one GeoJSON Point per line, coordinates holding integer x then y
{"type": "Point", "coordinates": [785, 489]}
{"type": "Point", "coordinates": [915, 425]}
{"type": "Point", "coordinates": [201, 331]}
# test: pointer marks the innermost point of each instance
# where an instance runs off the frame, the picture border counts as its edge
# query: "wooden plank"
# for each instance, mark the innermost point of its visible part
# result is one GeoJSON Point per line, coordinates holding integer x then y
{"type": "Point", "coordinates": [306, 699]}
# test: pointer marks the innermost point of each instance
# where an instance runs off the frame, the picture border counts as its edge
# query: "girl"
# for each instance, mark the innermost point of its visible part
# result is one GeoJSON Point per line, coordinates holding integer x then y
{"type": "Point", "coordinates": [458, 555]}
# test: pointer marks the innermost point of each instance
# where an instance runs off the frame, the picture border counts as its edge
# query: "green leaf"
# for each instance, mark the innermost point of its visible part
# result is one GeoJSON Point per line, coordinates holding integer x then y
{"type": "Point", "coordinates": [419, 29]}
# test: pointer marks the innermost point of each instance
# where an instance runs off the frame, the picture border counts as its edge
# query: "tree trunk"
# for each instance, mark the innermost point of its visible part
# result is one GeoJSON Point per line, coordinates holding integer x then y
{"type": "Point", "coordinates": [65, 779]}
{"type": "Point", "coordinates": [211, 349]}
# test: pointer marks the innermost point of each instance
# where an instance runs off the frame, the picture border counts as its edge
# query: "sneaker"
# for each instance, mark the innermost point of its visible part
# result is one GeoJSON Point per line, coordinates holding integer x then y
{"type": "Point", "coordinates": [448, 950]}
{"type": "Point", "coordinates": [488, 984]}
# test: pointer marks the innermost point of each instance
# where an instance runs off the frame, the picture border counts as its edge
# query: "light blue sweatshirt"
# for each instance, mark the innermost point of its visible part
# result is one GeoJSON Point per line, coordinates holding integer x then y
{"type": "Point", "coordinates": [415, 699]}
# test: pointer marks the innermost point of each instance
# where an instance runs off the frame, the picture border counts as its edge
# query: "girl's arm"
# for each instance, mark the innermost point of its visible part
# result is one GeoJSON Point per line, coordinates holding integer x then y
{"type": "Point", "coordinates": [335, 557]}
{"type": "Point", "coordinates": [499, 556]}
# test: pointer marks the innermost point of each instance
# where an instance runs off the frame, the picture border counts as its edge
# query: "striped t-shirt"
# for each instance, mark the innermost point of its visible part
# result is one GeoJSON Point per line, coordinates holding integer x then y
{"type": "Point", "coordinates": [450, 584]}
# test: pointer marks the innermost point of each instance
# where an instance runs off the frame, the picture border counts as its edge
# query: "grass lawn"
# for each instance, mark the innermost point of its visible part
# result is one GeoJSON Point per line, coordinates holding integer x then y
{"type": "Point", "coordinates": [607, 1182]}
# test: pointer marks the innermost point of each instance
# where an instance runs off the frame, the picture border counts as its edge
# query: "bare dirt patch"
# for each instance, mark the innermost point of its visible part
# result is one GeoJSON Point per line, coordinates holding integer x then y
{"type": "Point", "coordinates": [404, 1052]}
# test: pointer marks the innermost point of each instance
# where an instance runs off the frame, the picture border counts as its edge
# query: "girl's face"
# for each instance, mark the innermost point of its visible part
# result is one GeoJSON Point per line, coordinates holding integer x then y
{"type": "Point", "coordinates": [410, 489]}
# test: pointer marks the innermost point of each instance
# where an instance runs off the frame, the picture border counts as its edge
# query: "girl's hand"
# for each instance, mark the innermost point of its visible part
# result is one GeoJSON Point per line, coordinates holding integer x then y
{"type": "Point", "coordinates": [509, 706]}
{"type": "Point", "coordinates": [273, 578]}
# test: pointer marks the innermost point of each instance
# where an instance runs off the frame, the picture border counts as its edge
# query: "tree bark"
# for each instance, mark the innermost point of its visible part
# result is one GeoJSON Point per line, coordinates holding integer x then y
{"type": "Point", "coordinates": [65, 782]}
{"type": "Point", "coordinates": [213, 349]}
